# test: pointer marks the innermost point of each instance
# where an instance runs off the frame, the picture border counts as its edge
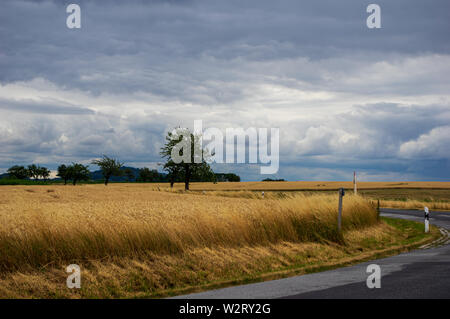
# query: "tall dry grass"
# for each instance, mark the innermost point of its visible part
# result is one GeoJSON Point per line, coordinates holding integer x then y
{"type": "Point", "coordinates": [158, 275]}
{"type": "Point", "coordinates": [40, 226]}
{"type": "Point", "coordinates": [415, 204]}
{"type": "Point", "coordinates": [233, 194]}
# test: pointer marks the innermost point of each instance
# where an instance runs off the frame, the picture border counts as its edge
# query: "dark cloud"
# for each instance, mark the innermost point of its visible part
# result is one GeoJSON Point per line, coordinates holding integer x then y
{"type": "Point", "coordinates": [144, 45]}
{"type": "Point", "coordinates": [343, 96]}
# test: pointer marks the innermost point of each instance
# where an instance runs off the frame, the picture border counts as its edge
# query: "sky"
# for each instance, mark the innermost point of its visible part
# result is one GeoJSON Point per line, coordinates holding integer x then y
{"type": "Point", "coordinates": [344, 97]}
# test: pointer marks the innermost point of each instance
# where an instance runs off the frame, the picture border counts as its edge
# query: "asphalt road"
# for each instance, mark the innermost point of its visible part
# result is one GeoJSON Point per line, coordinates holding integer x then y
{"type": "Point", "coordinates": [422, 273]}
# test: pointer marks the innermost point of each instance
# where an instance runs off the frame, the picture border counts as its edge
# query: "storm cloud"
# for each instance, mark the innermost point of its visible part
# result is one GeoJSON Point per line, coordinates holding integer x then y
{"type": "Point", "coordinates": [345, 97]}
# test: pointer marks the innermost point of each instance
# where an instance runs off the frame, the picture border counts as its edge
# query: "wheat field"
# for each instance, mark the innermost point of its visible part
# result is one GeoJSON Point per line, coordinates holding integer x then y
{"type": "Point", "coordinates": [133, 240]}
{"type": "Point", "coordinates": [307, 185]}
{"type": "Point", "coordinates": [403, 195]}
{"type": "Point", "coordinates": [41, 225]}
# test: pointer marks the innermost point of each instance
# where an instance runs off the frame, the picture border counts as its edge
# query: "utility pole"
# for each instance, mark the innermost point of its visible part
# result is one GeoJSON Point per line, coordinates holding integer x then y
{"type": "Point", "coordinates": [341, 194]}
{"type": "Point", "coordinates": [354, 182]}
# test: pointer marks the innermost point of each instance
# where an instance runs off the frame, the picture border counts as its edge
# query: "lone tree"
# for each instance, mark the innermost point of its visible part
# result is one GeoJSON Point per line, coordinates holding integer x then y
{"type": "Point", "coordinates": [18, 172]}
{"type": "Point", "coordinates": [185, 157]}
{"type": "Point", "coordinates": [78, 172]}
{"type": "Point", "coordinates": [109, 167]}
{"type": "Point", "coordinates": [63, 172]}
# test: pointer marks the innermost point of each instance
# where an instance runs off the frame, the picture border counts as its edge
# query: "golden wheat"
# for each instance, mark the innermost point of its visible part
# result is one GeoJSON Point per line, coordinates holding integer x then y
{"type": "Point", "coordinates": [407, 203]}
{"type": "Point", "coordinates": [132, 241]}
{"type": "Point", "coordinates": [43, 225]}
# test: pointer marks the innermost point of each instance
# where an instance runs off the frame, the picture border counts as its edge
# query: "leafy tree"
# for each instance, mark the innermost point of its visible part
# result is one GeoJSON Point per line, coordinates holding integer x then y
{"type": "Point", "coordinates": [129, 174]}
{"type": "Point", "coordinates": [204, 173]}
{"type": "Point", "coordinates": [78, 172]}
{"type": "Point", "coordinates": [64, 173]}
{"type": "Point", "coordinates": [148, 175]}
{"type": "Point", "coordinates": [44, 172]}
{"type": "Point", "coordinates": [227, 177]}
{"type": "Point", "coordinates": [109, 167]}
{"type": "Point", "coordinates": [34, 171]}
{"type": "Point", "coordinates": [18, 172]}
{"type": "Point", "coordinates": [190, 162]}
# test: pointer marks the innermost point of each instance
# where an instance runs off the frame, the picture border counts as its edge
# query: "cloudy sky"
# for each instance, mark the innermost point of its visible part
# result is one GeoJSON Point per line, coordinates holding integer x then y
{"type": "Point", "coordinates": [344, 97]}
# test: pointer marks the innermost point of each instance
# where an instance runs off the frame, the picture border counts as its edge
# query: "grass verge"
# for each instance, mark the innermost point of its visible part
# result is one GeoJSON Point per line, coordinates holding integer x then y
{"type": "Point", "coordinates": [202, 268]}
{"type": "Point", "coordinates": [408, 236]}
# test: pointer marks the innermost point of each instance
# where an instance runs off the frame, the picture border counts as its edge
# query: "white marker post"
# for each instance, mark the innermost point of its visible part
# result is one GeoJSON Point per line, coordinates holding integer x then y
{"type": "Point", "coordinates": [262, 193]}
{"type": "Point", "coordinates": [354, 182]}
{"type": "Point", "coordinates": [341, 194]}
{"type": "Point", "coordinates": [427, 220]}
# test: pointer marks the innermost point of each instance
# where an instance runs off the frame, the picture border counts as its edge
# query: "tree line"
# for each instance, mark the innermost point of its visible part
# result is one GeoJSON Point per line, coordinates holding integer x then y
{"type": "Point", "coordinates": [188, 170]}
{"type": "Point", "coordinates": [74, 172]}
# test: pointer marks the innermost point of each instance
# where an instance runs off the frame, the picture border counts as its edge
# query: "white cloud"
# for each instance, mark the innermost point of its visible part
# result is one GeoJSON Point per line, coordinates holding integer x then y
{"type": "Point", "coordinates": [434, 144]}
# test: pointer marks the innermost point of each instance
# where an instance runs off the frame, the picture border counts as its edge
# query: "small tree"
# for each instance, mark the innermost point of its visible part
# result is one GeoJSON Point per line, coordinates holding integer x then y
{"type": "Point", "coordinates": [190, 162]}
{"type": "Point", "coordinates": [34, 171]}
{"type": "Point", "coordinates": [204, 173]}
{"type": "Point", "coordinates": [78, 172]}
{"type": "Point", "coordinates": [147, 175]}
{"type": "Point", "coordinates": [18, 172]}
{"type": "Point", "coordinates": [44, 172]}
{"type": "Point", "coordinates": [129, 174]}
{"type": "Point", "coordinates": [63, 172]}
{"type": "Point", "coordinates": [109, 167]}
